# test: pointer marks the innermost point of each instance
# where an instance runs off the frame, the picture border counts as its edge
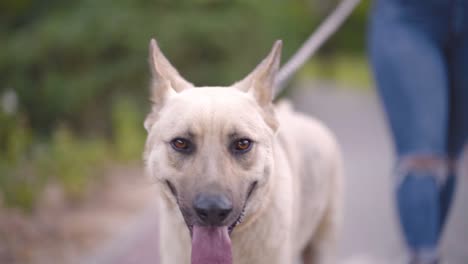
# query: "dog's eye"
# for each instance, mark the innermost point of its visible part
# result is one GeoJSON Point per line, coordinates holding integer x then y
{"type": "Point", "coordinates": [181, 145]}
{"type": "Point", "coordinates": [242, 145]}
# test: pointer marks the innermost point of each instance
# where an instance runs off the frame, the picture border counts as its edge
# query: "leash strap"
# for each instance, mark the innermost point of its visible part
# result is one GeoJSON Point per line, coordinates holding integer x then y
{"type": "Point", "coordinates": [314, 42]}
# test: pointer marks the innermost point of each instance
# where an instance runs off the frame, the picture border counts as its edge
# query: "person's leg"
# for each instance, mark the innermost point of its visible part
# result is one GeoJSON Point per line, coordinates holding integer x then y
{"type": "Point", "coordinates": [458, 129]}
{"type": "Point", "coordinates": [411, 74]}
{"type": "Point", "coordinates": [418, 201]}
{"type": "Point", "coordinates": [410, 70]}
{"type": "Point", "coordinates": [447, 191]}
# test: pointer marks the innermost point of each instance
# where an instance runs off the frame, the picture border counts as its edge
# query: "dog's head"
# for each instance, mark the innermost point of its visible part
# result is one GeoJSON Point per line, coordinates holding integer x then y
{"type": "Point", "coordinates": [211, 148]}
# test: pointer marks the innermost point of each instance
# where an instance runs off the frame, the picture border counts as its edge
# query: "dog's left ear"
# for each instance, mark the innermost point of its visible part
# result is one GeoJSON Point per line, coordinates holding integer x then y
{"type": "Point", "coordinates": [261, 81]}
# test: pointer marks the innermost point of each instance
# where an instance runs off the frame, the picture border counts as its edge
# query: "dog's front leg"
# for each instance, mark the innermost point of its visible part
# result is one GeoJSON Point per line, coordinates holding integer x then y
{"type": "Point", "coordinates": [260, 246]}
{"type": "Point", "coordinates": [284, 256]}
{"type": "Point", "coordinates": [281, 255]}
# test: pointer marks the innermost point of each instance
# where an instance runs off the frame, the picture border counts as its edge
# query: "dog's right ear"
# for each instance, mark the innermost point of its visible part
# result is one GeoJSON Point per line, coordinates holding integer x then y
{"type": "Point", "coordinates": [165, 81]}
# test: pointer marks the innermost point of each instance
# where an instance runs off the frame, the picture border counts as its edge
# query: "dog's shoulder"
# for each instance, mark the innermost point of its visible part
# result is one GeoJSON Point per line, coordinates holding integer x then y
{"type": "Point", "coordinates": [303, 136]}
{"type": "Point", "coordinates": [299, 126]}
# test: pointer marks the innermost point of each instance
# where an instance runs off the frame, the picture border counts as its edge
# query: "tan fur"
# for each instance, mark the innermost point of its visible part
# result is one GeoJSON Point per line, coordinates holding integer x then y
{"type": "Point", "coordinates": [292, 213]}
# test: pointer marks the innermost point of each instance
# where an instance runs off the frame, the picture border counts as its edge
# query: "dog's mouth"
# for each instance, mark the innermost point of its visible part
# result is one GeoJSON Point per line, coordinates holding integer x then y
{"type": "Point", "coordinates": [238, 220]}
{"type": "Point", "coordinates": [212, 244]}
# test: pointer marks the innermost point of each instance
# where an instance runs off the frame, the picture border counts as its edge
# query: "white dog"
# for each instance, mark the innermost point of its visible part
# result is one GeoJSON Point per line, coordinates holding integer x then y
{"type": "Point", "coordinates": [238, 180]}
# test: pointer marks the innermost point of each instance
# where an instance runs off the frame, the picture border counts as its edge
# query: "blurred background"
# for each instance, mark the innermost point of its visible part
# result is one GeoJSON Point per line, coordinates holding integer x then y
{"type": "Point", "coordinates": [73, 96]}
{"type": "Point", "coordinates": [73, 76]}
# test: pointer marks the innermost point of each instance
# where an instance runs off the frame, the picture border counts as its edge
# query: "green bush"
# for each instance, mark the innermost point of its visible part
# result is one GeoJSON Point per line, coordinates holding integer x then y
{"type": "Point", "coordinates": [128, 132]}
{"type": "Point", "coordinates": [18, 187]}
{"type": "Point", "coordinates": [73, 163]}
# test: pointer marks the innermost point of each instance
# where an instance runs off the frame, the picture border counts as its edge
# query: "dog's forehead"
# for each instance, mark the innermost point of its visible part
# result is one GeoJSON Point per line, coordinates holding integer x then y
{"type": "Point", "coordinates": [208, 99]}
{"type": "Point", "coordinates": [215, 94]}
{"type": "Point", "coordinates": [212, 108]}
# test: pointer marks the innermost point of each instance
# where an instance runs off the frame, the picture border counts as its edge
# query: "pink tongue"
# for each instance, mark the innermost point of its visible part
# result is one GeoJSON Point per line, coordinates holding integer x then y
{"type": "Point", "coordinates": [211, 245]}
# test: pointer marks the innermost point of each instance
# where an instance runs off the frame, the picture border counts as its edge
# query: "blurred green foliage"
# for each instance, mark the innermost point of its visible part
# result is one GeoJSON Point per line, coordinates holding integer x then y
{"type": "Point", "coordinates": [346, 70]}
{"type": "Point", "coordinates": [128, 135]}
{"type": "Point", "coordinates": [72, 162]}
{"type": "Point", "coordinates": [79, 70]}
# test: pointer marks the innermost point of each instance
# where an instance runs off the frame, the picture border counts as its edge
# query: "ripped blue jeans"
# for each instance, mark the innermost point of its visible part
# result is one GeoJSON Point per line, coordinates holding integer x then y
{"type": "Point", "coordinates": [419, 55]}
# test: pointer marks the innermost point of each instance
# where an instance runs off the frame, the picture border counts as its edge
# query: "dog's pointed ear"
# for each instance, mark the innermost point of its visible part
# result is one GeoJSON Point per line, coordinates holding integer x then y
{"type": "Point", "coordinates": [165, 78]}
{"type": "Point", "coordinates": [165, 81]}
{"type": "Point", "coordinates": [261, 81]}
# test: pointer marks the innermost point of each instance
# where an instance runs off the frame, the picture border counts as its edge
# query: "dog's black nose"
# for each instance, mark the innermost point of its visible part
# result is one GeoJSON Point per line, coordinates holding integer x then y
{"type": "Point", "coordinates": [212, 209]}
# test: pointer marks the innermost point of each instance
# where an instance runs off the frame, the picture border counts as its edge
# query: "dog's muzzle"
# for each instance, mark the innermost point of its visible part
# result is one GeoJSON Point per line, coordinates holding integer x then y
{"type": "Point", "coordinates": [212, 209]}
